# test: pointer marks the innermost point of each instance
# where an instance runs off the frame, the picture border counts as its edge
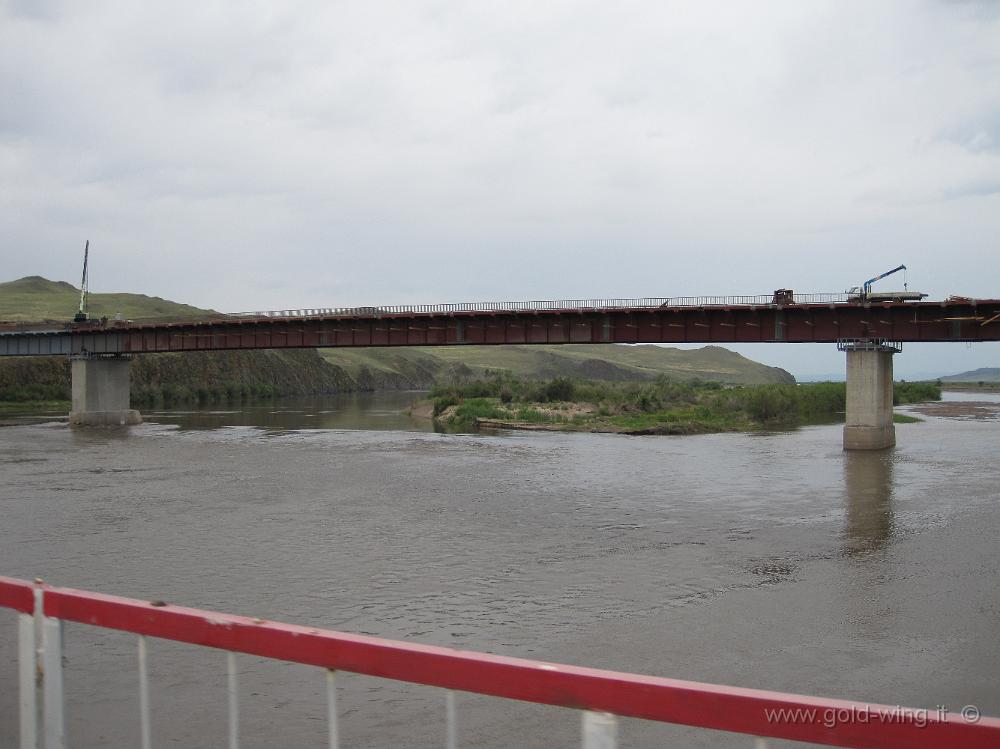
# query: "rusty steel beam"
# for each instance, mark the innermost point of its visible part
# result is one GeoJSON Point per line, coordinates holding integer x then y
{"type": "Point", "coordinates": [790, 324]}
{"type": "Point", "coordinates": [954, 320]}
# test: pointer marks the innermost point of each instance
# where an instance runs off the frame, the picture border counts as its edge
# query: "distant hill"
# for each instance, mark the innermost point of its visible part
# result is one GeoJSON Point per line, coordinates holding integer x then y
{"type": "Point", "coordinates": [984, 374]}
{"type": "Point", "coordinates": [35, 298]}
{"type": "Point", "coordinates": [539, 362]}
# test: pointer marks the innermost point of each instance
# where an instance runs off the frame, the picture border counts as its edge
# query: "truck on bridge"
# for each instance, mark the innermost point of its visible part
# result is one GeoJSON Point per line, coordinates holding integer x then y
{"type": "Point", "coordinates": [864, 292]}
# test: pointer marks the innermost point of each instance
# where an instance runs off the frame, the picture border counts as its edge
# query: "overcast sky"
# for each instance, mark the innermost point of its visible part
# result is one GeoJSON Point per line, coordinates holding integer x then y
{"type": "Point", "coordinates": [253, 155]}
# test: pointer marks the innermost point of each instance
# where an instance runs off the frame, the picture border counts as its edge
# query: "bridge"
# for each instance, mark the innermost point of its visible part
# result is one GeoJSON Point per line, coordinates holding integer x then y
{"type": "Point", "coordinates": [869, 332]}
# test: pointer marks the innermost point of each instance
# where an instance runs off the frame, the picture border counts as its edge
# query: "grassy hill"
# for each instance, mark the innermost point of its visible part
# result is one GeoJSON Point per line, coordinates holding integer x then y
{"type": "Point", "coordinates": [984, 374]}
{"type": "Point", "coordinates": [35, 299]}
{"type": "Point", "coordinates": [616, 363]}
{"type": "Point", "coordinates": [219, 375]}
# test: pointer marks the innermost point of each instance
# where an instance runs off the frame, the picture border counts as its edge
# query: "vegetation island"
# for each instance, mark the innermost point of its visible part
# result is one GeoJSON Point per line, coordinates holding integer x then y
{"type": "Point", "coordinates": [659, 407]}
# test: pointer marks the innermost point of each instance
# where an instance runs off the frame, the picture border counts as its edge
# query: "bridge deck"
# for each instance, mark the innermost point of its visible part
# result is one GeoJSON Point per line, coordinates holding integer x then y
{"type": "Point", "coordinates": [732, 320]}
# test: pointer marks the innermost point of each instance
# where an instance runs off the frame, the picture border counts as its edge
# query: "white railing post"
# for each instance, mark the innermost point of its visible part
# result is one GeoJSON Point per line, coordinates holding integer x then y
{"type": "Point", "coordinates": [331, 708]}
{"type": "Point", "coordinates": [234, 705]}
{"type": "Point", "coordinates": [55, 718]}
{"type": "Point", "coordinates": [27, 670]}
{"type": "Point", "coordinates": [144, 728]}
{"type": "Point", "coordinates": [451, 719]}
{"type": "Point", "coordinates": [39, 664]}
{"type": "Point", "coordinates": [600, 730]}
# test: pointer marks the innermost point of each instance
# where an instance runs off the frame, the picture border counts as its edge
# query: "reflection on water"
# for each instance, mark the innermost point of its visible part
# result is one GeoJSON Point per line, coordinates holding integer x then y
{"type": "Point", "coordinates": [372, 411]}
{"type": "Point", "coordinates": [868, 522]}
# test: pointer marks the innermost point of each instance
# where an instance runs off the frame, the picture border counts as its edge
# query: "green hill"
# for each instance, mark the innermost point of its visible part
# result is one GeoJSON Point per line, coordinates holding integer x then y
{"type": "Point", "coordinates": [541, 362]}
{"type": "Point", "coordinates": [36, 299]}
{"type": "Point", "coordinates": [984, 374]}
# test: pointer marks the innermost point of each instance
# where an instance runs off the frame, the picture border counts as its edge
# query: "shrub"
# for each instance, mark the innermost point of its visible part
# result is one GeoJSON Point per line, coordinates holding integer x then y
{"type": "Point", "coordinates": [559, 389]}
{"type": "Point", "coordinates": [771, 403]}
{"type": "Point", "coordinates": [443, 402]}
{"type": "Point", "coordinates": [915, 392]}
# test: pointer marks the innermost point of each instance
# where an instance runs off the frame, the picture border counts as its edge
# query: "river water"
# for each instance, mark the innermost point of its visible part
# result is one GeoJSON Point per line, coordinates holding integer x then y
{"type": "Point", "coordinates": [769, 560]}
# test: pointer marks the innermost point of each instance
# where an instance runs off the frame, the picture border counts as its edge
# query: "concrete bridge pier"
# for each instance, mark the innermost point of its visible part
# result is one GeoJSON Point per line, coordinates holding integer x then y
{"type": "Point", "coordinates": [868, 425]}
{"type": "Point", "coordinates": [101, 390]}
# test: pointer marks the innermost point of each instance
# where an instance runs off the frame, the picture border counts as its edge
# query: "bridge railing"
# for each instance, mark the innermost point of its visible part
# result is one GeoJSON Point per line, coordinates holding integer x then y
{"type": "Point", "coordinates": [600, 696]}
{"type": "Point", "coordinates": [869, 344]}
{"type": "Point", "coordinates": [573, 305]}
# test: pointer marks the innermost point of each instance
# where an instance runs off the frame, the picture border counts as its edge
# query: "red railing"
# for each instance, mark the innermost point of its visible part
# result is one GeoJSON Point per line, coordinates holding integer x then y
{"type": "Point", "coordinates": [601, 694]}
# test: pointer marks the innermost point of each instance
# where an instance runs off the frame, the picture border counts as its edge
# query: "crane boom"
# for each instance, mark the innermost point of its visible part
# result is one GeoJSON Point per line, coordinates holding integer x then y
{"type": "Point", "coordinates": [81, 313]}
{"type": "Point", "coordinates": [867, 286]}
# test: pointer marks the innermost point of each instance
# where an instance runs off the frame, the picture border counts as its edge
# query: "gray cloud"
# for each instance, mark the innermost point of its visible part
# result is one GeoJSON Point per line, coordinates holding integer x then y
{"type": "Point", "coordinates": [981, 135]}
{"type": "Point", "coordinates": [973, 189]}
{"type": "Point", "coordinates": [36, 10]}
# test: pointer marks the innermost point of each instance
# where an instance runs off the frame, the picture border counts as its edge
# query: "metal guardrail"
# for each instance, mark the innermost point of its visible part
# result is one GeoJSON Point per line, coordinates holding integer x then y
{"type": "Point", "coordinates": [869, 344]}
{"type": "Point", "coordinates": [569, 305]}
{"type": "Point", "coordinates": [573, 305]}
{"type": "Point", "coordinates": [601, 696]}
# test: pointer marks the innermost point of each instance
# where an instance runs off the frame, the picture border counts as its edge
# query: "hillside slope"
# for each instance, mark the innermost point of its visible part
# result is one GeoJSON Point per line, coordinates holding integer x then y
{"type": "Point", "coordinates": [539, 362]}
{"type": "Point", "coordinates": [984, 374]}
{"type": "Point", "coordinates": [197, 376]}
{"type": "Point", "coordinates": [604, 362]}
{"type": "Point", "coordinates": [35, 299]}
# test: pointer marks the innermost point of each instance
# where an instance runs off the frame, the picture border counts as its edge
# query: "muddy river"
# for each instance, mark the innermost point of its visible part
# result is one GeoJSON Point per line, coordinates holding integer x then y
{"type": "Point", "coordinates": [769, 560]}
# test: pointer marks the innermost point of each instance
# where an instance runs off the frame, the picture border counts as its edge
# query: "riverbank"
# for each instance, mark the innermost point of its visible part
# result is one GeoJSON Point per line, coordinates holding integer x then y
{"type": "Point", "coordinates": [33, 405]}
{"type": "Point", "coordinates": [971, 387]}
{"type": "Point", "coordinates": [661, 407]}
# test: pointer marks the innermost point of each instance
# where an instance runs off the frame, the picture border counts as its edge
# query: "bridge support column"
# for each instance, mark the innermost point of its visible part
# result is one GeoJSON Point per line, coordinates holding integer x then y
{"type": "Point", "coordinates": [101, 390]}
{"type": "Point", "coordinates": [868, 425]}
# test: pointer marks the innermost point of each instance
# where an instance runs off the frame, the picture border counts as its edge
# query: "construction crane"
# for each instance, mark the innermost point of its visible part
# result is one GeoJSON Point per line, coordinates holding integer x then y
{"type": "Point", "coordinates": [81, 313]}
{"type": "Point", "coordinates": [864, 292]}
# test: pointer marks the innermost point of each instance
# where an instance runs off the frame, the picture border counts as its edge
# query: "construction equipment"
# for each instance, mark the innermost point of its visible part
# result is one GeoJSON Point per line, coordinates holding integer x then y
{"type": "Point", "coordinates": [864, 292]}
{"type": "Point", "coordinates": [81, 313]}
{"type": "Point", "coordinates": [783, 296]}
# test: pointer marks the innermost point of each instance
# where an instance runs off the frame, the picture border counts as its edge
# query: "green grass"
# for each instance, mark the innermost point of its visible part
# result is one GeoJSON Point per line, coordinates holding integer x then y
{"type": "Point", "coordinates": [389, 360]}
{"type": "Point", "coordinates": [544, 362]}
{"type": "Point", "coordinates": [985, 386]}
{"type": "Point", "coordinates": [35, 299]}
{"type": "Point", "coordinates": [42, 405]}
{"type": "Point", "coordinates": [533, 416]}
{"type": "Point", "coordinates": [468, 412]}
{"type": "Point", "coordinates": [689, 420]}
{"type": "Point", "coordinates": [905, 419]}
{"type": "Point", "coordinates": [35, 393]}
{"type": "Point", "coordinates": [662, 406]}
{"type": "Point", "coordinates": [915, 392]}
{"type": "Point", "coordinates": [610, 362]}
